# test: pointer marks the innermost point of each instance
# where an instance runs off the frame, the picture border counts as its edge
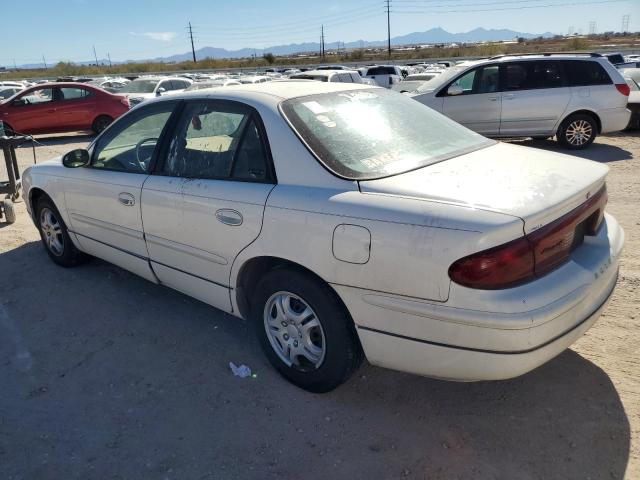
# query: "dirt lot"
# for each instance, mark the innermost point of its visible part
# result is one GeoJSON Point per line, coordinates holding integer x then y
{"type": "Point", "coordinates": [104, 375]}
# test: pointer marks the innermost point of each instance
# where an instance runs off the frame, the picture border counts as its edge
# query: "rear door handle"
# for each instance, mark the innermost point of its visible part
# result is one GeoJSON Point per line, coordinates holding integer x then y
{"type": "Point", "coordinates": [126, 199]}
{"type": "Point", "coordinates": [493, 99]}
{"type": "Point", "coordinates": [509, 96]}
{"type": "Point", "coordinates": [53, 110]}
{"type": "Point", "coordinates": [229, 217]}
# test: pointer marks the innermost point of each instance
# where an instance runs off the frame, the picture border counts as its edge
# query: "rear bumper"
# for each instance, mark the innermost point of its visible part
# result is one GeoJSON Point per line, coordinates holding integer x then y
{"type": "Point", "coordinates": [614, 119]}
{"type": "Point", "coordinates": [467, 344]}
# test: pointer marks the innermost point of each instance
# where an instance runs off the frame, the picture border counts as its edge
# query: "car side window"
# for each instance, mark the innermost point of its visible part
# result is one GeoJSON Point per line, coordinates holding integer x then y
{"type": "Point", "coordinates": [73, 93]}
{"type": "Point", "coordinates": [488, 80]}
{"type": "Point", "coordinates": [532, 75]}
{"type": "Point", "coordinates": [466, 82]}
{"type": "Point", "coordinates": [585, 73]}
{"type": "Point", "coordinates": [215, 141]}
{"type": "Point", "coordinates": [41, 95]}
{"type": "Point", "coordinates": [129, 145]}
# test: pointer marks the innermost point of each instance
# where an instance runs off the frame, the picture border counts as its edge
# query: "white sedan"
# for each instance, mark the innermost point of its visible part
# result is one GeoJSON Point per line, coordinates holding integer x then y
{"type": "Point", "coordinates": [342, 221]}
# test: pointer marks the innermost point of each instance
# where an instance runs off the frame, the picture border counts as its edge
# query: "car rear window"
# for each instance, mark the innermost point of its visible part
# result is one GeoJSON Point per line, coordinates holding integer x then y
{"type": "Point", "coordinates": [375, 133]}
{"type": "Point", "coordinates": [381, 71]}
{"type": "Point", "coordinates": [585, 72]}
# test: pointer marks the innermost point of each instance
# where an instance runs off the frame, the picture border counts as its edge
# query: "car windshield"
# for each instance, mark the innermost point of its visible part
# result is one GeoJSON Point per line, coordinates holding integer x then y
{"type": "Point", "coordinates": [374, 133]}
{"type": "Point", "coordinates": [441, 79]}
{"type": "Point", "coordinates": [140, 86]}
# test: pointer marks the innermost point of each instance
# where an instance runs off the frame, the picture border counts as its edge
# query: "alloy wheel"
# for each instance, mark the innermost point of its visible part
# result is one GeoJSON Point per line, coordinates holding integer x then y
{"type": "Point", "coordinates": [578, 132]}
{"type": "Point", "coordinates": [51, 229]}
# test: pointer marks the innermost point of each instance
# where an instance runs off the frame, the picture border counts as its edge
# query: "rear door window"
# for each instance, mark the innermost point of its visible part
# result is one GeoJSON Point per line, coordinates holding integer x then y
{"type": "Point", "coordinates": [73, 93]}
{"type": "Point", "coordinates": [585, 73]}
{"type": "Point", "coordinates": [532, 75]}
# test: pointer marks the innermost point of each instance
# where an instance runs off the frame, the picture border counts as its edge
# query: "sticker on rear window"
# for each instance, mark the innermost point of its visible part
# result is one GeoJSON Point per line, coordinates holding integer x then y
{"type": "Point", "coordinates": [315, 107]}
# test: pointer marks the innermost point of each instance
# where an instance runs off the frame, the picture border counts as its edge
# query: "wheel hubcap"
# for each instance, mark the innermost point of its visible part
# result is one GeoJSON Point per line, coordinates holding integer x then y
{"type": "Point", "coordinates": [579, 132]}
{"type": "Point", "coordinates": [51, 232]}
{"type": "Point", "coordinates": [294, 331]}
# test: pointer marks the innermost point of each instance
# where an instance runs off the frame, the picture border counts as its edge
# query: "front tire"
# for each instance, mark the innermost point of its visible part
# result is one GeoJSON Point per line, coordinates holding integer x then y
{"type": "Point", "coordinates": [55, 236]}
{"type": "Point", "coordinates": [577, 131]}
{"type": "Point", "coordinates": [101, 123]}
{"type": "Point", "coordinates": [304, 330]}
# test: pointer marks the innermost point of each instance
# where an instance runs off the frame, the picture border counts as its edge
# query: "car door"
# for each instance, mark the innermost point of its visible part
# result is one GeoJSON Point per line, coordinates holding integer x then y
{"type": "Point", "coordinates": [75, 107]}
{"type": "Point", "coordinates": [207, 201]}
{"type": "Point", "coordinates": [103, 199]}
{"type": "Point", "coordinates": [33, 111]}
{"type": "Point", "coordinates": [535, 94]}
{"type": "Point", "coordinates": [479, 104]}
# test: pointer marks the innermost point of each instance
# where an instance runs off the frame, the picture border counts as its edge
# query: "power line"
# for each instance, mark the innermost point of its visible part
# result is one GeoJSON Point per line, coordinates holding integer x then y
{"type": "Point", "coordinates": [523, 7]}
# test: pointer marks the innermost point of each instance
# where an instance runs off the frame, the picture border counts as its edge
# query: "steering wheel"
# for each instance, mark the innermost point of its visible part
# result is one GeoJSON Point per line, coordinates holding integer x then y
{"type": "Point", "coordinates": [141, 163]}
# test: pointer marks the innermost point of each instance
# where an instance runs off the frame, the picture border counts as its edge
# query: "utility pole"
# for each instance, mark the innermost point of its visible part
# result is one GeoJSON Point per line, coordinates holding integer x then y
{"type": "Point", "coordinates": [388, 8]}
{"type": "Point", "coordinates": [592, 27]}
{"type": "Point", "coordinates": [109, 57]}
{"type": "Point", "coordinates": [322, 41]}
{"type": "Point", "coordinates": [45, 62]}
{"type": "Point", "coordinates": [193, 49]}
{"type": "Point", "coordinates": [95, 55]}
{"type": "Point", "coordinates": [15, 67]}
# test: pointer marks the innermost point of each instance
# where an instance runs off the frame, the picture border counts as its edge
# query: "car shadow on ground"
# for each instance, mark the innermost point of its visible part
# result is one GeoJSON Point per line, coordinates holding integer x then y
{"type": "Point", "coordinates": [105, 372]}
{"type": "Point", "coordinates": [599, 152]}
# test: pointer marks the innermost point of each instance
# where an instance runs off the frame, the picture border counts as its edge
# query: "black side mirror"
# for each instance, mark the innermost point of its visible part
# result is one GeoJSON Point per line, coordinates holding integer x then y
{"type": "Point", "coordinates": [18, 102]}
{"type": "Point", "coordinates": [76, 158]}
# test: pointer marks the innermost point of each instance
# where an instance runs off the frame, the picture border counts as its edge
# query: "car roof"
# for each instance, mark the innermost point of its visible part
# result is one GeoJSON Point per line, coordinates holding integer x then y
{"type": "Point", "coordinates": [270, 92]}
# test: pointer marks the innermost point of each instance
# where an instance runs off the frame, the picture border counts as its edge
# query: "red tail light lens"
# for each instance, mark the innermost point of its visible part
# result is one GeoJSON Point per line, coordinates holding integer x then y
{"type": "Point", "coordinates": [125, 102]}
{"type": "Point", "coordinates": [624, 89]}
{"type": "Point", "coordinates": [533, 255]}
{"type": "Point", "coordinates": [499, 267]}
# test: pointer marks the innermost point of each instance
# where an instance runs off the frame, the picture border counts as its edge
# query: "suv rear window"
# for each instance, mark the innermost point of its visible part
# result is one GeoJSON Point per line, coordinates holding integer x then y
{"type": "Point", "coordinates": [381, 71]}
{"type": "Point", "coordinates": [585, 72]}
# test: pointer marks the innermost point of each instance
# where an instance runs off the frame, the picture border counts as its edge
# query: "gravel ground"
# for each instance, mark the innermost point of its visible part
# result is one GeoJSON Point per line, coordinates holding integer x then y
{"type": "Point", "coordinates": [104, 375]}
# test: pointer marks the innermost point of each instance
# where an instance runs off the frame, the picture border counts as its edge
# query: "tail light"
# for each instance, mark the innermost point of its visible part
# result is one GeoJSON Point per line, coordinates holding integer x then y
{"type": "Point", "coordinates": [624, 89]}
{"type": "Point", "coordinates": [125, 101]}
{"type": "Point", "coordinates": [533, 255]}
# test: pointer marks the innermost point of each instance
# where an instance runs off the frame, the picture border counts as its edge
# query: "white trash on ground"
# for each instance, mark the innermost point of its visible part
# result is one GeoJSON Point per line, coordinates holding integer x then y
{"type": "Point", "coordinates": [242, 371]}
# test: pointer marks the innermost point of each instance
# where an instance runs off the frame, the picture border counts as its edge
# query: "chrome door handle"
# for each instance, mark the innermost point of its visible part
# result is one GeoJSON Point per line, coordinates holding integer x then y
{"type": "Point", "coordinates": [493, 99]}
{"type": "Point", "coordinates": [229, 217]}
{"type": "Point", "coordinates": [509, 96]}
{"type": "Point", "coordinates": [126, 199]}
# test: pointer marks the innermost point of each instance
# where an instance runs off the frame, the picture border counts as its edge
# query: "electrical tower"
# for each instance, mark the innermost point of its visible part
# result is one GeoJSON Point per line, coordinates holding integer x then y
{"type": "Point", "coordinates": [387, 5]}
{"type": "Point", "coordinates": [625, 23]}
{"type": "Point", "coordinates": [592, 28]}
{"type": "Point", "coordinates": [193, 49]}
{"type": "Point", "coordinates": [322, 41]}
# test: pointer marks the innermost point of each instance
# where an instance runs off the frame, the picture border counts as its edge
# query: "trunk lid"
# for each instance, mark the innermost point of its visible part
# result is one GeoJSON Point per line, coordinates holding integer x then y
{"type": "Point", "coordinates": [536, 185]}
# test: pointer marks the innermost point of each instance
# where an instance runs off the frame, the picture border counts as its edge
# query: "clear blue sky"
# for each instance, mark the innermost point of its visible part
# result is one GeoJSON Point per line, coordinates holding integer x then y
{"type": "Point", "coordinates": [137, 29]}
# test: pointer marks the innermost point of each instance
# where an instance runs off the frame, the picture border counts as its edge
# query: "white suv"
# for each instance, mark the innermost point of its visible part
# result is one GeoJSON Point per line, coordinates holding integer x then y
{"type": "Point", "coordinates": [574, 97]}
{"type": "Point", "coordinates": [384, 75]}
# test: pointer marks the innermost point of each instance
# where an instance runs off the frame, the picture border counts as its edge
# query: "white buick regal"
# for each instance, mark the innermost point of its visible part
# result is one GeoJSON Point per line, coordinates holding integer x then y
{"type": "Point", "coordinates": [343, 220]}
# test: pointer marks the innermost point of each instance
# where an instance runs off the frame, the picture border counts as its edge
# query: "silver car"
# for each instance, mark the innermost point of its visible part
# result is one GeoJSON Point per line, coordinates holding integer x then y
{"type": "Point", "coordinates": [574, 97]}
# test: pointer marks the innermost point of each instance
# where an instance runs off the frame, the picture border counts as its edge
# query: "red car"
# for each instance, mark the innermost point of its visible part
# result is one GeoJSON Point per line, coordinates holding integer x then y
{"type": "Point", "coordinates": [61, 107]}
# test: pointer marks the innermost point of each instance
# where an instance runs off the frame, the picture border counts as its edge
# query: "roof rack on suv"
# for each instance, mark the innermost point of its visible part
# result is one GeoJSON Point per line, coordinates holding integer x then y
{"type": "Point", "coordinates": [544, 54]}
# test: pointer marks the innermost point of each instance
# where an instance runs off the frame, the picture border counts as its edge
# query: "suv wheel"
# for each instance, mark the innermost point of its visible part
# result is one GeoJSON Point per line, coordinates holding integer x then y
{"type": "Point", "coordinates": [304, 330]}
{"type": "Point", "coordinates": [577, 131]}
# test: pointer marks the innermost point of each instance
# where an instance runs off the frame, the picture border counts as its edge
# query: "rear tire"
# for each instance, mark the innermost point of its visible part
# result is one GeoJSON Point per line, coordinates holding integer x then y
{"type": "Point", "coordinates": [55, 236]}
{"type": "Point", "coordinates": [304, 330]}
{"type": "Point", "coordinates": [100, 123]}
{"type": "Point", "coordinates": [577, 131]}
